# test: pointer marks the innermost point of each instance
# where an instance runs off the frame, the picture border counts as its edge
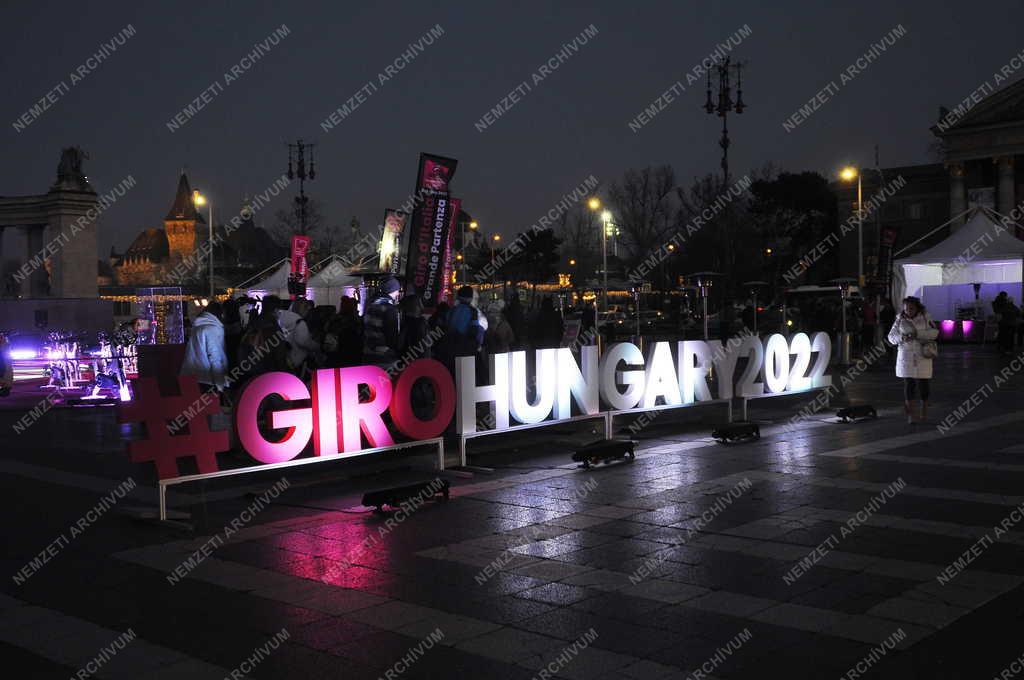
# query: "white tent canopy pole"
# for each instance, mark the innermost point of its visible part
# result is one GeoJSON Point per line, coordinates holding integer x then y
{"type": "Point", "coordinates": [260, 274]}
{"type": "Point", "coordinates": [944, 224]}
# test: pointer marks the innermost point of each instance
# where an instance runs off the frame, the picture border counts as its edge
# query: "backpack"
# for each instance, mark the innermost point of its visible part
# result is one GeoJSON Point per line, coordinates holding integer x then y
{"type": "Point", "coordinates": [330, 343]}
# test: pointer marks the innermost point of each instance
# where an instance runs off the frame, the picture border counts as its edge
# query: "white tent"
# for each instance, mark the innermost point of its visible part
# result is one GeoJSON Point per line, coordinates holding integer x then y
{"type": "Point", "coordinates": [271, 281]}
{"type": "Point", "coordinates": [982, 251]}
{"type": "Point", "coordinates": [333, 280]}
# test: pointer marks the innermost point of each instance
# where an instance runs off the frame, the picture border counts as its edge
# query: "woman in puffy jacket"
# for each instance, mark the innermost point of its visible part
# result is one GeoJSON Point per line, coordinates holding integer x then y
{"type": "Point", "coordinates": [912, 329]}
{"type": "Point", "coordinates": [205, 356]}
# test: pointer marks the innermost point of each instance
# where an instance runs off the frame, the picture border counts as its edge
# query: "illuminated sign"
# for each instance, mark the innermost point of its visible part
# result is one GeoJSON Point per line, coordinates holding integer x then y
{"type": "Point", "coordinates": [343, 410]}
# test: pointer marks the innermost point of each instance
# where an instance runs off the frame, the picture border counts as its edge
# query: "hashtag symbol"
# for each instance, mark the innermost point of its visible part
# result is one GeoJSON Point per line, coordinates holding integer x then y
{"type": "Point", "coordinates": [157, 410]}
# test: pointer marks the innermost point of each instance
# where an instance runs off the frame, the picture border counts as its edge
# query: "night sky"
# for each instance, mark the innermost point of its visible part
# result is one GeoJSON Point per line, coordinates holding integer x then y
{"type": "Point", "coordinates": [571, 125]}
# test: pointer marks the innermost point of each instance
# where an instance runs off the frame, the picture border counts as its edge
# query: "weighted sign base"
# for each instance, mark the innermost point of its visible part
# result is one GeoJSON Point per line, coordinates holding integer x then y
{"type": "Point", "coordinates": [396, 496]}
{"type": "Point", "coordinates": [605, 451]}
{"type": "Point", "coordinates": [857, 412]}
{"type": "Point", "coordinates": [736, 431]}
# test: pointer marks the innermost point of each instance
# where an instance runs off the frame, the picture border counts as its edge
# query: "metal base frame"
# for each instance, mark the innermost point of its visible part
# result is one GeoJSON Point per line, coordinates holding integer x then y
{"type": "Point", "coordinates": [164, 483]}
{"type": "Point", "coordinates": [465, 436]}
{"type": "Point", "coordinates": [788, 393]}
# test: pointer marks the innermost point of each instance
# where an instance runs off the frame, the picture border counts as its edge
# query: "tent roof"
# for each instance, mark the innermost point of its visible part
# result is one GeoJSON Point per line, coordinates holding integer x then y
{"type": "Point", "coordinates": [277, 279]}
{"type": "Point", "coordinates": [982, 233]}
{"type": "Point", "coordinates": [333, 275]}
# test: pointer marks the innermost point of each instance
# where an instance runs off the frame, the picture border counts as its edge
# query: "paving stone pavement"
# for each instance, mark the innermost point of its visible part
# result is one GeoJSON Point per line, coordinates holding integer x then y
{"type": "Point", "coordinates": [783, 557]}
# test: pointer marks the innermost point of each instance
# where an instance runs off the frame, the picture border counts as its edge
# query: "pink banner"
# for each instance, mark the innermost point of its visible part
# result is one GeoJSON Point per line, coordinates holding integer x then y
{"type": "Point", "coordinates": [300, 268]}
{"type": "Point", "coordinates": [430, 229]}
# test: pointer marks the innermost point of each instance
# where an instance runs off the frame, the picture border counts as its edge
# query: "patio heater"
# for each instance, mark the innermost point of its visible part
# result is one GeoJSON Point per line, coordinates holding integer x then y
{"type": "Point", "coordinates": [844, 337]}
{"type": "Point", "coordinates": [754, 286]}
{"type": "Point", "coordinates": [703, 281]}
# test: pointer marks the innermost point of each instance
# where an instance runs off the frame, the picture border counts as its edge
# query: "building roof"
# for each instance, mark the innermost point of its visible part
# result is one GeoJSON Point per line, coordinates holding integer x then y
{"type": "Point", "coordinates": [248, 244]}
{"type": "Point", "coordinates": [1005, 105]}
{"type": "Point", "coordinates": [150, 244]}
{"type": "Point", "coordinates": [183, 208]}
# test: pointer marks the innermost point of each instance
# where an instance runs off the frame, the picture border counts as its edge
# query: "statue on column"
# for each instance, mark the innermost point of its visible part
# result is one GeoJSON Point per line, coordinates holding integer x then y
{"type": "Point", "coordinates": [69, 171]}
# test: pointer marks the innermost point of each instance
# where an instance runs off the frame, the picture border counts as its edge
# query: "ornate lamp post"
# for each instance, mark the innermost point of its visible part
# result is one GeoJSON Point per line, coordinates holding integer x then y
{"type": "Point", "coordinates": [297, 154]}
{"type": "Point", "coordinates": [725, 103]}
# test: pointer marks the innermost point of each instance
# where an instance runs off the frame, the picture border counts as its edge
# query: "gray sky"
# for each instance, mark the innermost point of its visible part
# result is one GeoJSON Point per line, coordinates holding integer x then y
{"type": "Point", "coordinates": [571, 124]}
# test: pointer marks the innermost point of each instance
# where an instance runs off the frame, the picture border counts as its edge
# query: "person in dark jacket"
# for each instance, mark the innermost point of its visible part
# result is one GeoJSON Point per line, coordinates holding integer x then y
{"type": "Point", "coordinates": [548, 327]}
{"type": "Point", "coordinates": [343, 339]}
{"type": "Point", "coordinates": [413, 340]}
{"type": "Point", "coordinates": [516, 319]}
{"type": "Point", "coordinates": [1009, 317]}
{"type": "Point", "coordinates": [588, 324]}
{"type": "Point", "coordinates": [232, 331]}
{"type": "Point", "coordinates": [262, 348]}
{"type": "Point", "coordinates": [382, 325]}
{"type": "Point", "coordinates": [465, 333]}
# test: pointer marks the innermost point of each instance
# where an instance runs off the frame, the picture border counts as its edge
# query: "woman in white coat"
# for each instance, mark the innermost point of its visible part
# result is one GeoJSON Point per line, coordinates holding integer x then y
{"type": "Point", "coordinates": [205, 356]}
{"type": "Point", "coordinates": [911, 330]}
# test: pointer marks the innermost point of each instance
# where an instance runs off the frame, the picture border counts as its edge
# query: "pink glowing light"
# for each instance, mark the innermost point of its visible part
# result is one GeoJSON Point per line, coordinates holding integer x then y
{"type": "Point", "coordinates": [298, 421]}
{"type": "Point", "coordinates": [967, 325]}
{"type": "Point", "coordinates": [947, 326]}
{"type": "Point", "coordinates": [363, 416]}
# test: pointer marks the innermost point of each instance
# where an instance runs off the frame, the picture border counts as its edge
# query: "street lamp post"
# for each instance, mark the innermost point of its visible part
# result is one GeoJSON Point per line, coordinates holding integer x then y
{"type": "Point", "coordinates": [198, 199]}
{"type": "Point", "coordinates": [605, 219]}
{"type": "Point", "coordinates": [595, 204]}
{"type": "Point", "coordinates": [849, 173]}
{"type": "Point", "coordinates": [494, 239]}
{"type": "Point", "coordinates": [472, 225]}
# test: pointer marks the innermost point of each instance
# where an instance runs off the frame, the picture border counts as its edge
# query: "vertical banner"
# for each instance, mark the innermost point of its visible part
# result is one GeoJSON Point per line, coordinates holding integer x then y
{"type": "Point", "coordinates": [391, 241]}
{"type": "Point", "coordinates": [300, 268]}
{"type": "Point", "coordinates": [449, 251]}
{"type": "Point", "coordinates": [430, 229]}
{"type": "Point", "coordinates": [886, 242]}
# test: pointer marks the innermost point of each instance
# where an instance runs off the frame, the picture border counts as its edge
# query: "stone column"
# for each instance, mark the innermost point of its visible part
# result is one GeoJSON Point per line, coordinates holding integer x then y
{"type": "Point", "coordinates": [1005, 199]}
{"type": "Point", "coordinates": [38, 284]}
{"type": "Point", "coordinates": [73, 263]}
{"type": "Point", "coordinates": [957, 195]}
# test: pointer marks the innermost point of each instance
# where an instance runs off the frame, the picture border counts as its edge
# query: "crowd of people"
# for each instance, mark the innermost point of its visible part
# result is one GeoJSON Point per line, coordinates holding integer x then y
{"type": "Point", "coordinates": [240, 338]}
{"type": "Point", "coordinates": [1010, 325]}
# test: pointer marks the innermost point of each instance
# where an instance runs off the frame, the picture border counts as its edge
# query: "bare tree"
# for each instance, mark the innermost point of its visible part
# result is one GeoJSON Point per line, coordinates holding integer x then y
{"type": "Point", "coordinates": [580, 231]}
{"type": "Point", "coordinates": [644, 208]}
{"type": "Point", "coordinates": [286, 222]}
{"type": "Point", "coordinates": [714, 246]}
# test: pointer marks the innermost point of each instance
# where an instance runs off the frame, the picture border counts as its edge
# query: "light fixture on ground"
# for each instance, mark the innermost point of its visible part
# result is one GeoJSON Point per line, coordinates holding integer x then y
{"type": "Point", "coordinates": [856, 412]}
{"type": "Point", "coordinates": [407, 494]}
{"type": "Point", "coordinates": [605, 451]}
{"type": "Point", "coordinates": [735, 431]}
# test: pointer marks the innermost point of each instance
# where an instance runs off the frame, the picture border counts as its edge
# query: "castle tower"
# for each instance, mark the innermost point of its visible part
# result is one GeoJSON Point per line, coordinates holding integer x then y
{"type": "Point", "coordinates": [182, 222]}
